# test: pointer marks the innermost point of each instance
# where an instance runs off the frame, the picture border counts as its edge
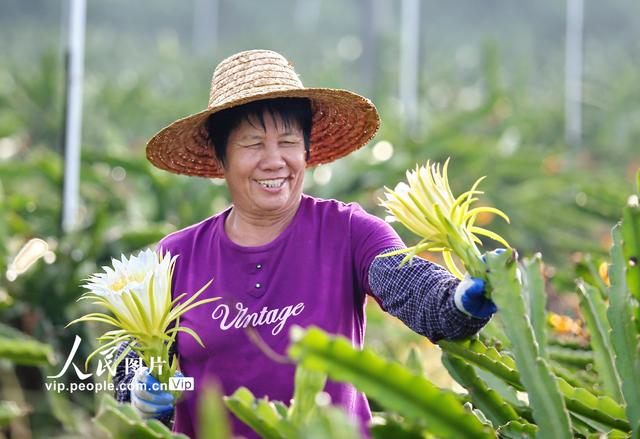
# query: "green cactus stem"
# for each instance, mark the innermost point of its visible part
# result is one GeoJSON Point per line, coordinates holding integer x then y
{"type": "Point", "coordinates": [122, 421]}
{"type": "Point", "coordinates": [259, 414]}
{"type": "Point", "coordinates": [630, 230]}
{"type": "Point", "coordinates": [594, 313]}
{"type": "Point", "coordinates": [490, 402]}
{"type": "Point", "coordinates": [624, 336]}
{"type": "Point", "coordinates": [392, 384]}
{"type": "Point", "coordinates": [537, 298]}
{"type": "Point", "coordinates": [602, 409]}
{"type": "Point", "coordinates": [548, 406]}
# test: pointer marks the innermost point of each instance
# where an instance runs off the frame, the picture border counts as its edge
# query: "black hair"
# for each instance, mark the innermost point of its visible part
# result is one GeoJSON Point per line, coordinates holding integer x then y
{"type": "Point", "coordinates": [290, 110]}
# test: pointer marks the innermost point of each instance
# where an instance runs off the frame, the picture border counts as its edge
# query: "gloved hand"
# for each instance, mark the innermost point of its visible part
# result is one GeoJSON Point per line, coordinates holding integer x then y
{"type": "Point", "coordinates": [146, 396]}
{"type": "Point", "coordinates": [469, 296]}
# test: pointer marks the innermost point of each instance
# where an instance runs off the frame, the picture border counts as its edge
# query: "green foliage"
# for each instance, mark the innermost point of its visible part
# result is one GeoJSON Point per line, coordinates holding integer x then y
{"type": "Point", "coordinates": [406, 391]}
{"type": "Point", "coordinates": [616, 333]}
{"type": "Point", "coordinates": [25, 352]}
{"type": "Point", "coordinates": [518, 430]}
{"type": "Point", "coordinates": [332, 422]}
{"type": "Point", "coordinates": [486, 357]}
{"type": "Point", "coordinates": [544, 396]}
{"type": "Point", "coordinates": [36, 99]}
{"type": "Point", "coordinates": [393, 385]}
{"type": "Point", "coordinates": [561, 201]}
{"type": "Point", "coordinates": [578, 400]}
{"type": "Point", "coordinates": [578, 377]}
{"type": "Point", "coordinates": [9, 411]}
{"type": "Point", "coordinates": [630, 231]}
{"type": "Point", "coordinates": [305, 418]}
{"type": "Point", "coordinates": [624, 335]}
{"type": "Point", "coordinates": [121, 421]}
{"type": "Point", "coordinates": [536, 299]}
{"type": "Point", "coordinates": [394, 426]}
{"type": "Point", "coordinates": [259, 414]}
{"type": "Point", "coordinates": [594, 312]}
{"type": "Point", "coordinates": [414, 363]}
{"type": "Point", "coordinates": [19, 348]}
{"type": "Point", "coordinates": [214, 423]}
{"type": "Point", "coordinates": [571, 357]}
{"type": "Point", "coordinates": [490, 402]}
{"type": "Point", "coordinates": [601, 409]}
{"type": "Point", "coordinates": [308, 383]}
{"type": "Point", "coordinates": [587, 271]}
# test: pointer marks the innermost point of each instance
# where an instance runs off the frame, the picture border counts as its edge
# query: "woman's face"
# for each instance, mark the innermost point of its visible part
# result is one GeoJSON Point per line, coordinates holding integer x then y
{"type": "Point", "coordinates": [265, 166]}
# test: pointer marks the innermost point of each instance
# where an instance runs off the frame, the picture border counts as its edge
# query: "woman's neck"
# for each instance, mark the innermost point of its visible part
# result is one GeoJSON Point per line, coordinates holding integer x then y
{"type": "Point", "coordinates": [250, 230]}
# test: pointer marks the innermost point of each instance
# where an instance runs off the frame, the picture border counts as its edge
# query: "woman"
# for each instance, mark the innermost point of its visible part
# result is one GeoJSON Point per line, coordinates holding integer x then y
{"type": "Point", "coordinates": [279, 257]}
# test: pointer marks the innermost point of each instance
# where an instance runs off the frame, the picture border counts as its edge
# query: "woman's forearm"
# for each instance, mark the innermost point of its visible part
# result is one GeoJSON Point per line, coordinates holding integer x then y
{"type": "Point", "coordinates": [420, 294]}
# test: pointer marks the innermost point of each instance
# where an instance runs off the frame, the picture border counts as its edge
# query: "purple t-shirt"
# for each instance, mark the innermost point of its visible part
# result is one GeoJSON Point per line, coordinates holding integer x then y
{"type": "Point", "coordinates": [313, 273]}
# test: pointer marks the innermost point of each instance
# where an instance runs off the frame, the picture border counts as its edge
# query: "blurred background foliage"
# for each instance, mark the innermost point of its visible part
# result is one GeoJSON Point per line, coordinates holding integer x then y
{"type": "Point", "coordinates": [491, 97]}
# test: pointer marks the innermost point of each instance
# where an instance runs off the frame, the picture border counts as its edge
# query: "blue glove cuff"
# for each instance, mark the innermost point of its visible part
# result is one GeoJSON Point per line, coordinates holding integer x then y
{"type": "Point", "coordinates": [461, 289]}
{"type": "Point", "coordinates": [469, 298]}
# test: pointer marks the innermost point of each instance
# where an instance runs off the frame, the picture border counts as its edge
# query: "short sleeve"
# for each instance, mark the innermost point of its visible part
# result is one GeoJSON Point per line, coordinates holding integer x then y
{"type": "Point", "coordinates": [369, 237]}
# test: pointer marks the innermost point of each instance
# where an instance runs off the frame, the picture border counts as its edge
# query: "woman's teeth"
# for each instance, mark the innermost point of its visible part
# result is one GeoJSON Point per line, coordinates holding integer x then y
{"type": "Point", "coordinates": [275, 183]}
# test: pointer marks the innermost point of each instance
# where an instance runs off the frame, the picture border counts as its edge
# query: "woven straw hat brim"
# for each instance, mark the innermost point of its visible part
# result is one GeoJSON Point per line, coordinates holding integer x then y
{"type": "Point", "coordinates": [342, 123]}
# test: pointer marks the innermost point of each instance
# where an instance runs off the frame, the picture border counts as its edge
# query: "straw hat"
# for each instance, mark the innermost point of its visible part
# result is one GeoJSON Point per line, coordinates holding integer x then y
{"type": "Point", "coordinates": [342, 121]}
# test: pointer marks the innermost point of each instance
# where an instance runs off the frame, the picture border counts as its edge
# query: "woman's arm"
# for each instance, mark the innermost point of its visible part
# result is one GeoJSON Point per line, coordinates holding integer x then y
{"type": "Point", "coordinates": [123, 376]}
{"type": "Point", "coordinates": [421, 294]}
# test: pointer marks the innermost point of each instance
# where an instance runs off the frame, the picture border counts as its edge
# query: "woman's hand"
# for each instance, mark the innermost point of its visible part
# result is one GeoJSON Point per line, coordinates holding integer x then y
{"type": "Point", "coordinates": [470, 297]}
{"type": "Point", "coordinates": [147, 397]}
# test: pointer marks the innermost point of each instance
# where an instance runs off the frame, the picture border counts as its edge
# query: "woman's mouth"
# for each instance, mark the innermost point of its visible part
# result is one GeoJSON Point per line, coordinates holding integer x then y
{"type": "Point", "coordinates": [271, 184]}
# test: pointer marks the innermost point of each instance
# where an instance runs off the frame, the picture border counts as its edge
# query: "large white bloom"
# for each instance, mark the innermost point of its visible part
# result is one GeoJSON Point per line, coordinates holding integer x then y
{"type": "Point", "coordinates": [137, 291]}
{"type": "Point", "coordinates": [133, 277]}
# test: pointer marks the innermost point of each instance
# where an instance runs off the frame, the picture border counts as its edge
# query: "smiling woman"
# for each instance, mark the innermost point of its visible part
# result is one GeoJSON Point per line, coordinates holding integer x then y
{"type": "Point", "coordinates": [280, 257]}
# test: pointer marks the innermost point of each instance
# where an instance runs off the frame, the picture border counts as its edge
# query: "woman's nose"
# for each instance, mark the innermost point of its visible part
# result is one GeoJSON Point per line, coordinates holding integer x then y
{"type": "Point", "coordinates": [272, 158]}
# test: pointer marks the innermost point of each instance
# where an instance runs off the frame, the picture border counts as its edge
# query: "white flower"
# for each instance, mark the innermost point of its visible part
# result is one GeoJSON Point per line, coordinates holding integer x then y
{"type": "Point", "coordinates": [137, 291]}
{"type": "Point", "coordinates": [132, 277]}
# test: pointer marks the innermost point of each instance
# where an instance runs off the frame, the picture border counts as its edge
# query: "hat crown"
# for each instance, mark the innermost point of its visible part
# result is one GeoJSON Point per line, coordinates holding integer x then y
{"type": "Point", "coordinates": [251, 73]}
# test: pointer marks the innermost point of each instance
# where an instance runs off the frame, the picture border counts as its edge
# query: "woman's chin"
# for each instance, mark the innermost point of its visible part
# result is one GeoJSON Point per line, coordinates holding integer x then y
{"type": "Point", "coordinates": [273, 202]}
